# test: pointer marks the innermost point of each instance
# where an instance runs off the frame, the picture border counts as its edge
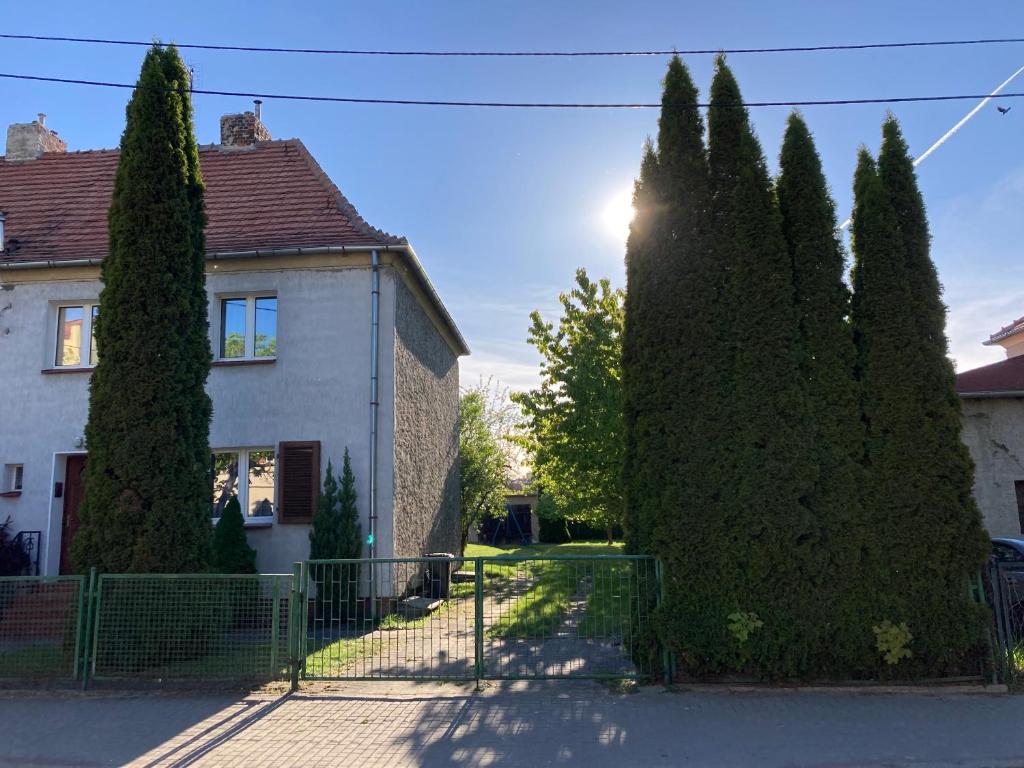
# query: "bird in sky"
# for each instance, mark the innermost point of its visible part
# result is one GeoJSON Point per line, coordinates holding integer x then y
{"type": "Point", "coordinates": [1003, 110]}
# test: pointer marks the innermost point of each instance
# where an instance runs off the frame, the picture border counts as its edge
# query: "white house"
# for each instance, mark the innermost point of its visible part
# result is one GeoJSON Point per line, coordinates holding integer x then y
{"type": "Point", "coordinates": [992, 399]}
{"type": "Point", "coordinates": [326, 334]}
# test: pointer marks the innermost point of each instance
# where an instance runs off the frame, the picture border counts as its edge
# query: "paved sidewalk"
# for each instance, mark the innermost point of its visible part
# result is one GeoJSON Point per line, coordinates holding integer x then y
{"type": "Point", "coordinates": [536, 724]}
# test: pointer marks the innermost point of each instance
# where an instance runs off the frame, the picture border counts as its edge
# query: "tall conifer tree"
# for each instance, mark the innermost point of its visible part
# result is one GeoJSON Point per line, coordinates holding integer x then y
{"type": "Point", "coordinates": [763, 519]}
{"type": "Point", "coordinates": [827, 357]}
{"type": "Point", "coordinates": [147, 492]}
{"type": "Point", "coordinates": [662, 321]}
{"type": "Point", "coordinates": [928, 538]}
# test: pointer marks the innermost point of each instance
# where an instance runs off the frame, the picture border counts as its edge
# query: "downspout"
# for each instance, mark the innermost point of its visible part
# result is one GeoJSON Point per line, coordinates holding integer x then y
{"type": "Point", "coordinates": [374, 408]}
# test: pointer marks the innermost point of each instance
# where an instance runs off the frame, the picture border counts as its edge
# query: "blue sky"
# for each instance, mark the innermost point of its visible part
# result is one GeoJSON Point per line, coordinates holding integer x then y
{"type": "Point", "coordinates": [503, 205]}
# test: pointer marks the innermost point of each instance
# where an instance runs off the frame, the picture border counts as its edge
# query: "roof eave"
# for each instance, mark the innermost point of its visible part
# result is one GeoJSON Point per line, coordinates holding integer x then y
{"type": "Point", "coordinates": [990, 394]}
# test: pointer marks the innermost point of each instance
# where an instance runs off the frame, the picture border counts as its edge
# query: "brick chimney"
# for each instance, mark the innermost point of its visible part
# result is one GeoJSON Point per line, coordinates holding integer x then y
{"type": "Point", "coordinates": [28, 141]}
{"type": "Point", "coordinates": [243, 130]}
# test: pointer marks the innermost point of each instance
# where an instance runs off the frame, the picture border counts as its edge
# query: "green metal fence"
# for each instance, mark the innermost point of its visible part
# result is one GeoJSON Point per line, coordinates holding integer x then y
{"type": "Point", "coordinates": [437, 618]}
{"type": "Point", "coordinates": [42, 626]}
{"type": "Point", "coordinates": [205, 626]}
{"type": "Point", "coordinates": [507, 617]}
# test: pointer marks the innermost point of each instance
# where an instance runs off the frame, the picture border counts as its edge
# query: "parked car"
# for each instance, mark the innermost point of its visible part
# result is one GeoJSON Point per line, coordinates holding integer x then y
{"type": "Point", "coordinates": [1009, 554]}
{"type": "Point", "coordinates": [1008, 550]}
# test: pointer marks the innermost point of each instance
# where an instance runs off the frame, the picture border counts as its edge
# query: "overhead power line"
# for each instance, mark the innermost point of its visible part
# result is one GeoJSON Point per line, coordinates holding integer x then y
{"type": "Point", "coordinates": [554, 54]}
{"type": "Point", "coordinates": [518, 104]}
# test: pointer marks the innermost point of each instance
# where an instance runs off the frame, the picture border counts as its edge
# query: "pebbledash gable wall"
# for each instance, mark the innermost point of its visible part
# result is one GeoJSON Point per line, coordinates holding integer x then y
{"type": "Point", "coordinates": [426, 460]}
{"type": "Point", "coordinates": [993, 431]}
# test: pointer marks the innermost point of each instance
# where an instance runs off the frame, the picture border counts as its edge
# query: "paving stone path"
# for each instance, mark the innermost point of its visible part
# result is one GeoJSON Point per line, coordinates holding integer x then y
{"type": "Point", "coordinates": [556, 723]}
{"type": "Point", "coordinates": [441, 646]}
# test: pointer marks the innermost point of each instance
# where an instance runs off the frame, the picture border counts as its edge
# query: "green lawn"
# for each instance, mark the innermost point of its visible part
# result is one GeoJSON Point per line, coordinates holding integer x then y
{"type": "Point", "coordinates": [540, 593]}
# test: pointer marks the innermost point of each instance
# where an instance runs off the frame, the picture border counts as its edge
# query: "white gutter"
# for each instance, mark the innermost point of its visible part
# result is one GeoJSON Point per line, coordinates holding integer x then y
{"type": "Point", "coordinates": [415, 267]}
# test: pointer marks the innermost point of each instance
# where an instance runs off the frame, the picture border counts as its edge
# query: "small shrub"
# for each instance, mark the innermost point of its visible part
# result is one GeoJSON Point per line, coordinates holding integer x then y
{"type": "Point", "coordinates": [892, 641]}
{"type": "Point", "coordinates": [231, 550]}
{"type": "Point", "coordinates": [14, 560]}
{"type": "Point", "coordinates": [742, 624]}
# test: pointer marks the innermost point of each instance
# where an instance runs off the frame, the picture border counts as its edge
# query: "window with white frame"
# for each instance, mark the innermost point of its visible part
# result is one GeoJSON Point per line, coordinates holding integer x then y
{"type": "Point", "coordinates": [14, 475]}
{"type": "Point", "coordinates": [248, 475]}
{"type": "Point", "coordinates": [76, 335]}
{"type": "Point", "coordinates": [248, 327]}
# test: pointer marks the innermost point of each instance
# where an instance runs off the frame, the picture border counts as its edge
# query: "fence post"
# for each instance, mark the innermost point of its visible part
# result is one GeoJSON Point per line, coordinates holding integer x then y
{"type": "Point", "coordinates": [90, 619]}
{"type": "Point", "coordinates": [303, 614]}
{"type": "Point", "coordinates": [478, 619]}
{"type": "Point", "coordinates": [275, 629]}
{"type": "Point", "coordinates": [666, 655]}
{"type": "Point", "coordinates": [294, 644]}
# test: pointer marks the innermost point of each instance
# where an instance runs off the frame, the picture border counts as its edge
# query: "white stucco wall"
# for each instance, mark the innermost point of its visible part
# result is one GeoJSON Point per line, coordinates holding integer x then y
{"type": "Point", "coordinates": [993, 430]}
{"type": "Point", "coordinates": [318, 389]}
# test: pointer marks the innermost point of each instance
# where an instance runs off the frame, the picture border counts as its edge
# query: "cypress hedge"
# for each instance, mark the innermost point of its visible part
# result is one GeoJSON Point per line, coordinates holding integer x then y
{"type": "Point", "coordinates": [827, 358]}
{"type": "Point", "coordinates": [147, 496]}
{"type": "Point", "coordinates": [764, 524]}
{"type": "Point", "coordinates": [927, 537]}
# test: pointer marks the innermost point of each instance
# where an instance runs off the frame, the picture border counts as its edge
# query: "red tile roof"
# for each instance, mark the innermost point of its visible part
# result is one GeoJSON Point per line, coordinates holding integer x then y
{"type": "Point", "coordinates": [271, 195]}
{"type": "Point", "coordinates": [1003, 377]}
{"type": "Point", "coordinates": [1006, 331]}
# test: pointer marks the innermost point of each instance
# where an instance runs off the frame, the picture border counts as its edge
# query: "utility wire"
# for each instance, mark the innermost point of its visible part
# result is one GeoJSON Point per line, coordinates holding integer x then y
{"type": "Point", "coordinates": [956, 128]}
{"type": "Point", "coordinates": [566, 54]}
{"type": "Point", "coordinates": [520, 104]}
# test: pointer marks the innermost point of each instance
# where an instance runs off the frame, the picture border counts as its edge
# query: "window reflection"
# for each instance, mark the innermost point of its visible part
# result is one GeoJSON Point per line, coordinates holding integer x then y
{"type": "Point", "coordinates": [261, 483]}
{"type": "Point", "coordinates": [232, 323]}
{"type": "Point", "coordinates": [266, 326]}
{"type": "Point", "coordinates": [69, 335]}
{"type": "Point", "coordinates": [224, 472]}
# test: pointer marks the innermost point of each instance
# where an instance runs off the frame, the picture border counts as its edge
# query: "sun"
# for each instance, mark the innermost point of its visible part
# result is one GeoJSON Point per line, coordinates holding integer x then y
{"type": "Point", "coordinates": [618, 213]}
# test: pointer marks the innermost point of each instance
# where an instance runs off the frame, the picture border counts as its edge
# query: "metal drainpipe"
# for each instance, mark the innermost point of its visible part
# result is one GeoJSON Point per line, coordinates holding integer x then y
{"type": "Point", "coordinates": [374, 408]}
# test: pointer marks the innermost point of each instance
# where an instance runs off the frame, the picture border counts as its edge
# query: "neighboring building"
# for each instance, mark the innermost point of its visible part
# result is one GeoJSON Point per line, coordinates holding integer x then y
{"type": "Point", "coordinates": [296, 324]}
{"type": "Point", "coordinates": [519, 524]}
{"type": "Point", "coordinates": [993, 430]}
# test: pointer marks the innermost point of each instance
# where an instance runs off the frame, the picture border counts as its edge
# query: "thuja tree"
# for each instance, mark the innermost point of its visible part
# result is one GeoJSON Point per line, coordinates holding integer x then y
{"type": "Point", "coordinates": [666, 342]}
{"type": "Point", "coordinates": [336, 535]}
{"type": "Point", "coordinates": [231, 550]}
{"type": "Point", "coordinates": [926, 540]}
{"type": "Point", "coordinates": [767, 469]}
{"type": "Point", "coordinates": [826, 357]}
{"type": "Point", "coordinates": [147, 495]}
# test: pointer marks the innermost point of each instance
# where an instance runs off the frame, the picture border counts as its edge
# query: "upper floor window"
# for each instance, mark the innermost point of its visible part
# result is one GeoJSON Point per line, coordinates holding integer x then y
{"type": "Point", "coordinates": [76, 336]}
{"type": "Point", "coordinates": [248, 327]}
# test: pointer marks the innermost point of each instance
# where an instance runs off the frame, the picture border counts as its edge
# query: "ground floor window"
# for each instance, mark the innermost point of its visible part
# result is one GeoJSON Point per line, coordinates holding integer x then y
{"type": "Point", "coordinates": [247, 474]}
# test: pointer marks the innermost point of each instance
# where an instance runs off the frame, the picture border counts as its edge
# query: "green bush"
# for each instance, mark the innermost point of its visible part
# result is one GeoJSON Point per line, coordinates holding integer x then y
{"type": "Point", "coordinates": [231, 550]}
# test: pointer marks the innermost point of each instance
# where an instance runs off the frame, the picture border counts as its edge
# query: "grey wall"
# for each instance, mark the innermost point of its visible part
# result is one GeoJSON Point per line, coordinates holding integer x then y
{"type": "Point", "coordinates": [318, 389]}
{"type": "Point", "coordinates": [426, 453]}
{"type": "Point", "coordinates": [993, 430]}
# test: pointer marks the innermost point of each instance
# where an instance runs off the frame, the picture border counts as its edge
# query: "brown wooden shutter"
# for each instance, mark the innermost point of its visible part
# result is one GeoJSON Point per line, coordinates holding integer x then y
{"type": "Point", "coordinates": [298, 465]}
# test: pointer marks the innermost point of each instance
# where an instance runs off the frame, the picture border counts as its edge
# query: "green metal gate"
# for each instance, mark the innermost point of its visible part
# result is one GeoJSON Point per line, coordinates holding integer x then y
{"type": "Point", "coordinates": [507, 617]}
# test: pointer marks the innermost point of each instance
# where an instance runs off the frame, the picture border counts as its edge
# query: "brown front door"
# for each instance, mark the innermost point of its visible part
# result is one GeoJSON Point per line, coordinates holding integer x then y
{"type": "Point", "coordinates": [73, 490]}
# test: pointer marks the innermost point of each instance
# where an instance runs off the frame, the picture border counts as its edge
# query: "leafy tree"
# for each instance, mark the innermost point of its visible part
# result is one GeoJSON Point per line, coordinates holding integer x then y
{"type": "Point", "coordinates": [926, 538]}
{"type": "Point", "coordinates": [231, 550]}
{"type": "Point", "coordinates": [147, 494]}
{"type": "Point", "coordinates": [827, 358]}
{"type": "Point", "coordinates": [575, 420]}
{"type": "Point", "coordinates": [483, 464]}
